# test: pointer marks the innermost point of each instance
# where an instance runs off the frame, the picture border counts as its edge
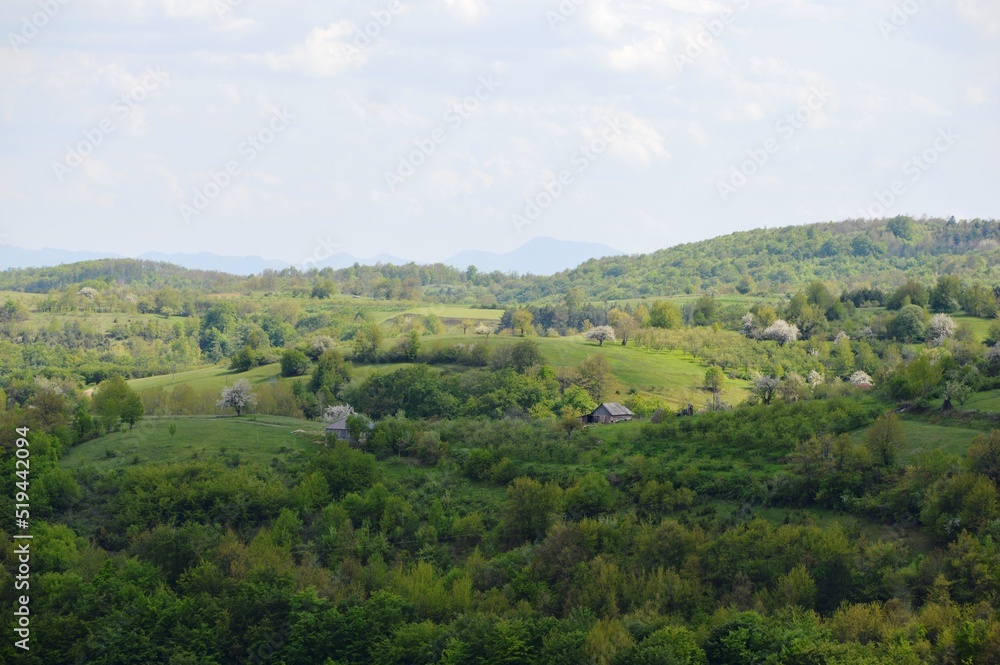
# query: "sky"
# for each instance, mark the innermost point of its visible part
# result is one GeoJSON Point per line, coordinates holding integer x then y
{"type": "Point", "coordinates": [422, 128]}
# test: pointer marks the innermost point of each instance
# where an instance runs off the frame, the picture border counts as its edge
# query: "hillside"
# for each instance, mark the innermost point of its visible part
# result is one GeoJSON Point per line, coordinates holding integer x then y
{"type": "Point", "coordinates": [815, 472]}
{"type": "Point", "coordinates": [880, 252]}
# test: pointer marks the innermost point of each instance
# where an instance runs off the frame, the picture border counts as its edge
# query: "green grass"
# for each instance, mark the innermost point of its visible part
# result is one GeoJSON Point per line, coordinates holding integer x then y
{"type": "Point", "coordinates": [988, 401]}
{"type": "Point", "coordinates": [216, 377]}
{"type": "Point", "coordinates": [979, 326]}
{"type": "Point", "coordinates": [212, 377]}
{"type": "Point", "coordinates": [250, 438]}
{"type": "Point", "coordinates": [671, 376]}
{"type": "Point", "coordinates": [452, 312]}
{"type": "Point", "coordinates": [925, 436]}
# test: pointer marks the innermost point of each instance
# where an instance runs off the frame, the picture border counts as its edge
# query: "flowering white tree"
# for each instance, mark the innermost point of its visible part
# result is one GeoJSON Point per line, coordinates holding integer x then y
{"type": "Point", "coordinates": [781, 331]}
{"type": "Point", "coordinates": [485, 330]}
{"type": "Point", "coordinates": [764, 388]}
{"type": "Point", "coordinates": [861, 380]}
{"type": "Point", "coordinates": [321, 344]}
{"type": "Point", "coordinates": [336, 412]}
{"type": "Point", "coordinates": [747, 327]}
{"type": "Point", "coordinates": [815, 379]}
{"type": "Point", "coordinates": [941, 328]}
{"type": "Point", "coordinates": [602, 334]}
{"type": "Point", "coordinates": [239, 396]}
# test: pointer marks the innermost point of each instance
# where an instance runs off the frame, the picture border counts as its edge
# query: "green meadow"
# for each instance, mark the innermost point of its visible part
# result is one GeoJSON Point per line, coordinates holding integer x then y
{"type": "Point", "coordinates": [669, 375]}
{"type": "Point", "coordinates": [249, 438]}
{"type": "Point", "coordinates": [922, 436]}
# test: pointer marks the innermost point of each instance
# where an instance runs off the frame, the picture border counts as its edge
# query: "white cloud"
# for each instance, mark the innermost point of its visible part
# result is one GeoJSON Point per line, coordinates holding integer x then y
{"type": "Point", "coordinates": [983, 14]}
{"type": "Point", "coordinates": [698, 134]}
{"type": "Point", "coordinates": [469, 11]}
{"type": "Point", "coordinates": [325, 52]}
{"type": "Point", "coordinates": [640, 143]}
{"type": "Point", "coordinates": [450, 183]}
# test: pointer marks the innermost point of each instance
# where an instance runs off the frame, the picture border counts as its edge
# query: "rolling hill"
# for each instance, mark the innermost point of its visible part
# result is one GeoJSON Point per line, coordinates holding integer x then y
{"type": "Point", "coordinates": [882, 252]}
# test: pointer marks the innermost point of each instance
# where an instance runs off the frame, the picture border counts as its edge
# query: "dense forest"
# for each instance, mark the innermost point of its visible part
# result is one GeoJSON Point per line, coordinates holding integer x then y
{"type": "Point", "coordinates": [273, 470]}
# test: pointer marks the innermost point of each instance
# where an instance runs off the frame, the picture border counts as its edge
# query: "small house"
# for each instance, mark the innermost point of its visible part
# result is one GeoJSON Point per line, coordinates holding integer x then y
{"type": "Point", "coordinates": [609, 412]}
{"type": "Point", "coordinates": [339, 430]}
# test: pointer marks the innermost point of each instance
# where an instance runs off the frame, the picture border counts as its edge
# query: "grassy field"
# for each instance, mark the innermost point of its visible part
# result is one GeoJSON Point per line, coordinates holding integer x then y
{"type": "Point", "coordinates": [924, 436]}
{"type": "Point", "coordinates": [452, 312]}
{"type": "Point", "coordinates": [979, 326]}
{"type": "Point", "coordinates": [988, 401]}
{"type": "Point", "coordinates": [216, 377]}
{"type": "Point", "coordinates": [250, 438]}
{"type": "Point", "coordinates": [211, 377]}
{"type": "Point", "coordinates": [672, 376]}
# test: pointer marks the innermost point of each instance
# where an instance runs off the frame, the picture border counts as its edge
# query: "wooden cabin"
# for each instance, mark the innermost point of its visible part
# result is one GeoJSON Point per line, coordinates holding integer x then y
{"type": "Point", "coordinates": [609, 412]}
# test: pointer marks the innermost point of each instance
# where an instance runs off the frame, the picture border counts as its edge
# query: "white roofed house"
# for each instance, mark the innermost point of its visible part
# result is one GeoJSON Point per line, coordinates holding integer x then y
{"type": "Point", "coordinates": [609, 412]}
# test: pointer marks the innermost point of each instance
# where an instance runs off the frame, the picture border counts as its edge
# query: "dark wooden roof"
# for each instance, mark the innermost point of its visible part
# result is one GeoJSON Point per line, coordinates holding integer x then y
{"type": "Point", "coordinates": [615, 409]}
{"type": "Point", "coordinates": [342, 425]}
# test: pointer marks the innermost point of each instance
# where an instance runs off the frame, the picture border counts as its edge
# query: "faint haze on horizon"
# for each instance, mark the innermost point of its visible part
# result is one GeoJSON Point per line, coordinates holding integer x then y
{"type": "Point", "coordinates": [253, 127]}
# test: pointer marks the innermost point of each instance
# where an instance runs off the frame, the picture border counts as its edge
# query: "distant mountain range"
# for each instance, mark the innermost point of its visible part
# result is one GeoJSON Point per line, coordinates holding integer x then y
{"type": "Point", "coordinates": [539, 256]}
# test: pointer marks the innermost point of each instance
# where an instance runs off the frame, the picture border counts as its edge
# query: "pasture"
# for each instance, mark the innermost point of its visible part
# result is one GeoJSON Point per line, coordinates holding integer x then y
{"type": "Point", "coordinates": [249, 438]}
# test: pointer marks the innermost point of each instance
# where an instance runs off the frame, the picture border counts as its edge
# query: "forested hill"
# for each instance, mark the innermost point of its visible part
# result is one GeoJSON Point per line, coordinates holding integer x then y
{"type": "Point", "coordinates": [782, 259]}
{"type": "Point", "coordinates": [133, 272]}
{"type": "Point", "coordinates": [854, 252]}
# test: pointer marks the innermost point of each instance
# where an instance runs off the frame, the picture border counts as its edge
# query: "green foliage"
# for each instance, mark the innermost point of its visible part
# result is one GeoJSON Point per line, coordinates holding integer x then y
{"type": "Point", "coordinates": [529, 510]}
{"type": "Point", "coordinates": [331, 372]}
{"type": "Point", "coordinates": [115, 403]}
{"type": "Point", "coordinates": [477, 522]}
{"type": "Point", "coordinates": [714, 379]}
{"type": "Point", "coordinates": [884, 439]}
{"type": "Point", "coordinates": [909, 325]}
{"type": "Point", "coordinates": [246, 359]}
{"type": "Point", "coordinates": [947, 294]}
{"type": "Point", "coordinates": [664, 314]}
{"type": "Point", "coordinates": [590, 496]}
{"type": "Point", "coordinates": [910, 293]}
{"type": "Point", "coordinates": [345, 469]}
{"type": "Point", "coordinates": [368, 341]}
{"type": "Point", "coordinates": [294, 363]}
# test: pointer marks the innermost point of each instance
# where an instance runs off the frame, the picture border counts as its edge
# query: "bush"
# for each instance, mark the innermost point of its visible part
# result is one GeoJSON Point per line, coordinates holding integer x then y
{"type": "Point", "coordinates": [294, 363]}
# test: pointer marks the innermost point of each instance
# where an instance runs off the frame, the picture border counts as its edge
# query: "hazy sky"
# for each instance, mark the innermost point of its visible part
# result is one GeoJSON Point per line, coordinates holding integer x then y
{"type": "Point", "coordinates": [278, 128]}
